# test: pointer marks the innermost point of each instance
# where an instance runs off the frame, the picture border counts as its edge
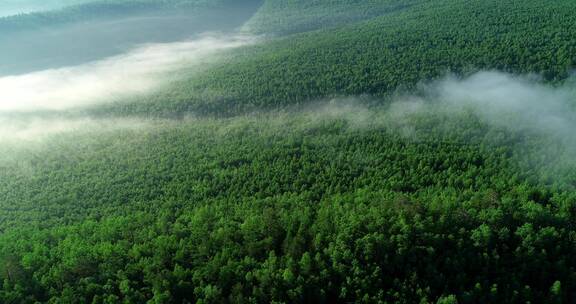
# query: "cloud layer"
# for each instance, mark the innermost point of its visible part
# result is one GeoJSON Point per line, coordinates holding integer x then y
{"type": "Point", "coordinates": [525, 103]}
{"type": "Point", "coordinates": [137, 72]}
{"type": "Point", "coordinates": [35, 128]}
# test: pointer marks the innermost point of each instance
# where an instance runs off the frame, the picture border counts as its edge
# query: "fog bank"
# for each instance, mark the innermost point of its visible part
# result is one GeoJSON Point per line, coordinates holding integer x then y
{"type": "Point", "coordinates": [504, 100]}
{"type": "Point", "coordinates": [137, 72]}
{"type": "Point", "coordinates": [528, 103]}
{"type": "Point", "coordinates": [36, 129]}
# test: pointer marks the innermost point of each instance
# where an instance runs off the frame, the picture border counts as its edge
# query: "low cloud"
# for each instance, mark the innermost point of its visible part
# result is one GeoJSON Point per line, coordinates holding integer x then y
{"type": "Point", "coordinates": [140, 71]}
{"type": "Point", "coordinates": [35, 129]}
{"type": "Point", "coordinates": [517, 102]}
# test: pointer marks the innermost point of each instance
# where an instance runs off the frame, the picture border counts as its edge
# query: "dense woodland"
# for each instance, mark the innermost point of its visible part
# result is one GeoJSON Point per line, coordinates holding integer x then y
{"type": "Point", "coordinates": [417, 40]}
{"type": "Point", "coordinates": [382, 56]}
{"type": "Point", "coordinates": [286, 17]}
{"type": "Point", "coordinates": [290, 208]}
{"type": "Point", "coordinates": [232, 187]}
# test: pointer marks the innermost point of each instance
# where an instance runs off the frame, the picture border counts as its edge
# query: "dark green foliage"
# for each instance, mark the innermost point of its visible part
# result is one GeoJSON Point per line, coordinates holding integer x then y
{"type": "Point", "coordinates": [287, 208]}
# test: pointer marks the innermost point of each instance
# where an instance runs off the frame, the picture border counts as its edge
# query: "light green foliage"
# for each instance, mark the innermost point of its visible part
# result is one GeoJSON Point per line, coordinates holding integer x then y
{"type": "Point", "coordinates": [448, 300]}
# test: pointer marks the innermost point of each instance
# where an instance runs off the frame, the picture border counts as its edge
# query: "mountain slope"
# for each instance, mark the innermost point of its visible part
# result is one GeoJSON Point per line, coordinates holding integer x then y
{"type": "Point", "coordinates": [384, 55]}
{"type": "Point", "coordinates": [394, 51]}
{"type": "Point", "coordinates": [284, 17]}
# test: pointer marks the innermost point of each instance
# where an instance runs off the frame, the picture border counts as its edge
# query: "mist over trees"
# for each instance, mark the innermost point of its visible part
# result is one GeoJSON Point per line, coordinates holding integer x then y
{"type": "Point", "coordinates": [370, 151]}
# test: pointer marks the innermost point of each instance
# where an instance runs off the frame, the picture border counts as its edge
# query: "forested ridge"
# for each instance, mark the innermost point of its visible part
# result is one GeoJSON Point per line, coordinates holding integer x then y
{"type": "Point", "coordinates": [252, 181]}
{"type": "Point", "coordinates": [288, 17]}
{"type": "Point", "coordinates": [380, 56]}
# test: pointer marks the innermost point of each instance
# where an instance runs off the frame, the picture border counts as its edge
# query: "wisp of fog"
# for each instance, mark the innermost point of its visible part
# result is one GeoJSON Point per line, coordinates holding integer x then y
{"type": "Point", "coordinates": [491, 93]}
{"type": "Point", "coordinates": [515, 102]}
{"type": "Point", "coordinates": [519, 103]}
{"type": "Point", "coordinates": [141, 71]}
{"type": "Point", "coordinates": [138, 72]}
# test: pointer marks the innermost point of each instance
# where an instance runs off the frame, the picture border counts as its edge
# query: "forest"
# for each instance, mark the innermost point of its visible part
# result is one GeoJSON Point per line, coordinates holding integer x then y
{"type": "Point", "coordinates": [289, 208]}
{"type": "Point", "coordinates": [381, 57]}
{"type": "Point", "coordinates": [357, 151]}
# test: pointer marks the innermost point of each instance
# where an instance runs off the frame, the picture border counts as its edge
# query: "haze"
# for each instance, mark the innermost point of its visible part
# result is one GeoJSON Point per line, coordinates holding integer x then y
{"type": "Point", "coordinates": [58, 40]}
{"type": "Point", "coordinates": [137, 72]}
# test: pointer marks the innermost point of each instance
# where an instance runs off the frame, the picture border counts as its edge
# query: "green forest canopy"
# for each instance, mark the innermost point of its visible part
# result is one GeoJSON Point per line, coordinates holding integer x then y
{"type": "Point", "coordinates": [309, 203]}
{"type": "Point", "coordinates": [380, 56]}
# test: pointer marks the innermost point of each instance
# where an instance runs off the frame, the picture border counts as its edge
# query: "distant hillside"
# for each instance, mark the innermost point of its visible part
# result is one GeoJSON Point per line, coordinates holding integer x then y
{"type": "Point", "coordinates": [284, 17]}
{"type": "Point", "coordinates": [384, 55]}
